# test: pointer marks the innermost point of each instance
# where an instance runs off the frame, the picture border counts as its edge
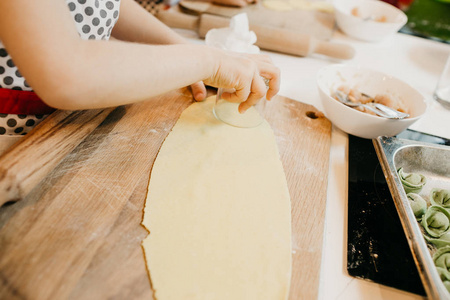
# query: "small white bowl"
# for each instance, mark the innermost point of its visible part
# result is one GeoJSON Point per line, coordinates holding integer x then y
{"type": "Point", "coordinates": [372, 83]}
{"type": "Point", "coordinates": [364, 27]}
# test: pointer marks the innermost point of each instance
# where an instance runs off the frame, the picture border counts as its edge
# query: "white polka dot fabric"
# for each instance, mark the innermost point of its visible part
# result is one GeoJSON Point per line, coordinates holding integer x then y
{"type": "Point", "coordinates": [11, 124]}
{"type": "Point", "coordinates": [94, 19]}
{"type": "Point", "coordinates": [10, 77]}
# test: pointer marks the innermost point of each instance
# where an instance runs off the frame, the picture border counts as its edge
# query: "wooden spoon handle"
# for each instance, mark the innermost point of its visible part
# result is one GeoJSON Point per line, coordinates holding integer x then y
{"type": "Point", "coordinates": [27, 162]}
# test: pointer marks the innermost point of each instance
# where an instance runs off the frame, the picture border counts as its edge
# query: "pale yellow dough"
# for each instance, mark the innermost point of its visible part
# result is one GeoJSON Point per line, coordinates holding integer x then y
{"type": "Point", "coordinates": [218, 212]}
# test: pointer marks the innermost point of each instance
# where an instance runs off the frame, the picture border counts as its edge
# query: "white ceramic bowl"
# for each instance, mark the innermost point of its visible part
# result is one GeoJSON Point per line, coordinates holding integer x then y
{"type": "Point", "coordinates": [372, 83]}
{"type": "Point", "coordinates": [364, 27]}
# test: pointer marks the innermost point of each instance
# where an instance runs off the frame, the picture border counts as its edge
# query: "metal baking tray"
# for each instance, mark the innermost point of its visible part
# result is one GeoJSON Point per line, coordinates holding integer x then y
{"type": "Point", "coordinates": [433, 161]}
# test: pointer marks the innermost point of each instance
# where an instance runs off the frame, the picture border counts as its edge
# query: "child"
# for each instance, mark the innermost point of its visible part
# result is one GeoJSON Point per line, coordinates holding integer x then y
{"type": "Point", "coordinates": [54, 54]}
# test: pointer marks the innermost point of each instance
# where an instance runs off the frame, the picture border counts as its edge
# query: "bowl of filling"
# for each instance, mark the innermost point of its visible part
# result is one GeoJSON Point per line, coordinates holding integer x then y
{"type": "Point", "coordinates": [351, 96]}
{"type": "Point", "coordinates": [368, 20]}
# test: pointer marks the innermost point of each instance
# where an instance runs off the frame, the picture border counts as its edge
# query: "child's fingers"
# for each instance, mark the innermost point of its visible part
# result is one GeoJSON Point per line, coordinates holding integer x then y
{"type": "Point", "coordinates": [271, 73]}
{"type": "Point", "coordinates": [241, 94]}
{"type": "Point", "coordinates": [251, 91]}
{"type": "Point", "coordinates": [245, 73]}
{"type": "Point", "coordinates": [258, 90]}
{"type": "Point", "coordinates": [198, 91]}
{"type": "Point", "coordinates": [231, 97]}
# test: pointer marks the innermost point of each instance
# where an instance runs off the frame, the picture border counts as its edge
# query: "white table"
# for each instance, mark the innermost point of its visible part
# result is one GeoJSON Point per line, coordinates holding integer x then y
{"type": "Point", "coordinates": [415, 60]}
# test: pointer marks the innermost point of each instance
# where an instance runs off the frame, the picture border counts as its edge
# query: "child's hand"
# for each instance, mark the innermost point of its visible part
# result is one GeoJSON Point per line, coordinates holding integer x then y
{"type": "Point", "coordinates": [245, 73]}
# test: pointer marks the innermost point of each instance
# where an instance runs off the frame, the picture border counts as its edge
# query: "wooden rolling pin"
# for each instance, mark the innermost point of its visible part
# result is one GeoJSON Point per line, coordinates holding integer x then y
{"type": "Point", "coordinates": [269, 38]}
{"type": "Point", "coordinates": [24, 165]}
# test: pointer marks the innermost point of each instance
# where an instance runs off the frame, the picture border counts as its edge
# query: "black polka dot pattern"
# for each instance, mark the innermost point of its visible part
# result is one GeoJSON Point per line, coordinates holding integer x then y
{"type": "Point", "coordinates": [152, 6]}
{"type": "Point", "coordinates": [10, 77]}
{"type": "Point", "coordinates": [18, 124]}
{"type": "Point", "coordinates": [11, 122]}
{"type": "Point", "coordinates": [94, 20]}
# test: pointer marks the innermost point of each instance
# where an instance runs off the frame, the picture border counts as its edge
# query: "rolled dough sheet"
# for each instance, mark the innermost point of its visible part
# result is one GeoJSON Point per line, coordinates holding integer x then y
{"type": "Point", "coordinates": [218, 212]}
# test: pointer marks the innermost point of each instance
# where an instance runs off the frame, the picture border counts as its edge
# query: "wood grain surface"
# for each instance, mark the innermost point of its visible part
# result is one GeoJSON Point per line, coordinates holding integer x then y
{"type": "Point", "coordinates": [52, 140]}
{"type": "Point", "coordinates": [77, 235]}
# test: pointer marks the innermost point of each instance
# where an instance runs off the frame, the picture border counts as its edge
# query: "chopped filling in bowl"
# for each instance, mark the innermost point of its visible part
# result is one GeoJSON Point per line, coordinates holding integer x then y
{"type": "Point", "coordinates": [355, 96]}
{"type": "Point", "coordinates": [355, 12]}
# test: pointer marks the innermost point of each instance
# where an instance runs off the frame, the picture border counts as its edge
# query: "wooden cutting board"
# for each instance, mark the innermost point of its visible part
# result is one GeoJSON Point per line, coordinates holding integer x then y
{"type": "Point", "coordinates": [77, 235]}
{"type": "Point", "coordinates": [319, 24]}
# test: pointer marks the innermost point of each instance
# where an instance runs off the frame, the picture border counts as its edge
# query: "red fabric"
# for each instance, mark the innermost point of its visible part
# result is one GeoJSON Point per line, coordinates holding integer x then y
{"type": "Point", "coordinates": [22, 103]}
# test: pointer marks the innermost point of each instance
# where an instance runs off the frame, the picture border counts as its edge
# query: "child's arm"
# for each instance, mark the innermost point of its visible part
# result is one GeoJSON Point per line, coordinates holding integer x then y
{"type": "Point", "coordinates": [138, 25]}
{"type": "Point", "coordinates": [70, 73]}
{"type": "Point", "coordinates": [135, 24]}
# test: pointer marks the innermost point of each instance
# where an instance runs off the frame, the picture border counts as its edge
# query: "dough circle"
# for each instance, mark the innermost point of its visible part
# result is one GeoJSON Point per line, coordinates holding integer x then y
{"type": "Point", "coordinates": [218, 212]}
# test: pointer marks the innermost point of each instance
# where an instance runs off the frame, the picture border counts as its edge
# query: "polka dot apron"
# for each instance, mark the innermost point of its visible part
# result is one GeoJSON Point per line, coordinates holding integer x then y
{"type": "Point", "coordinates": [153, 6]}
{"type": "Point", "coordinates": [94, 19]}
